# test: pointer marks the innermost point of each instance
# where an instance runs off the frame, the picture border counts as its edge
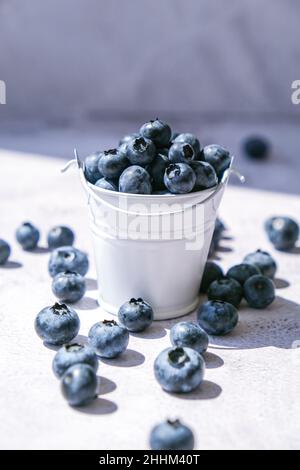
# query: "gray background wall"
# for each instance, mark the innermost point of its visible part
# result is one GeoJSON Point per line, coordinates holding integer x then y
{"type": "Point", "coordinates": [70, 59]}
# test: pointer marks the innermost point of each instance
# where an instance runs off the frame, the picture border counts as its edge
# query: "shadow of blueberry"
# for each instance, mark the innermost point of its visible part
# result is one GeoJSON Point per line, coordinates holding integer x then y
{"type": "Point", "coordinates": [99, 406]}
{"type": "Point", "coordinates": [40, 250]}
{"type": "Point", "coordinates": [105, 385]}
{"type": "Point", "coordinates": [206, 391]}
{"type": "Point", "coordinates": [86, 303]}
{"type": "Point", "coordinates": [281, 283]}
{"type": "Point", "coordinates": [212, 361]}
{"type": "Point", "coordinates": [154, 331]}
{"type": "Point", "coordinates": [129, 358]}
{"type": "Point", "coordinates": [11, 265]}
{"type": "Point", "coordinates": [91, 284]}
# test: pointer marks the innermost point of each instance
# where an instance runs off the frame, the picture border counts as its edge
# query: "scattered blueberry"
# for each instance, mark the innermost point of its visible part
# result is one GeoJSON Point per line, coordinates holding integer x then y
{"type": "Point", "coordinates": [71, 354]}
{"type": "Point", "coordinates": [57, 325]}
{"type": "Point", "coordinates": [60, 236]}
{"type": "Point", "coordinates": [112, 163]}
{"type": "Point", "coordinates": [28, 236]}
{"type": "Point", "coordinates": [171, 435]}
{"type": "Point", "coordinates": [181, 153]}
{"type": "Point", "coordinates": [227, 290]}
{"type": "Point", "coordinates": [264, 261]}
{"type": "Point", "coordinates": [242, 272]}
{"type": "Point", "coordinates": [283, 232]}
{"type": "Point", "coordinates": [135, 180]}
{"type": "Point", "coordinates": [4, 251]}
{"type": "Point", "coordinates": [91, 167]}
{"type": "Point", "coordinates": [68, 258]}
{"type": "Point", "coordinates": [68, 286]}
{"type": "Point", "coordinates": [158, 131]}
{"type": "Point", "coordinates": [217, 317]}
{"type": "Point", "coordinates": [179, 369]}
{"type": "Point", "coordinates": [212, 272]}
{"type": "Point", "coordinates": [135, 315]}
{"type": "Point", "coordinates": [205, 175]}
{"type": "Point", "coordinates": [156, 170]}
{"type": "Point", "coordinates": [218, 157]}
{"type": "Point", "coordinates": [106, 183]}
{"type": "Point", "coordinates": [259, 291]}
{"type": "Point", "coordinates": [256, 147]}
{"type": "Point", "coordinates": [179, 178]}
{"type": "Point", "coordinates": [189, 335]}
{"type": "Point", "coordinates": [108, 338]}
{"type": "Point", "coordinates": [79, 385]}
{"type": "Point", "coordinates": [141, 151]}
{"type": "Point", "coordinates": [190, 139]}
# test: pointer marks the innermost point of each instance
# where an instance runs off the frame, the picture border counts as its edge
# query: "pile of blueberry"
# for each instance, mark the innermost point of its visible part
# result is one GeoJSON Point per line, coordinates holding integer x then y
{"type": "Point", "coordinates": [155, 161]}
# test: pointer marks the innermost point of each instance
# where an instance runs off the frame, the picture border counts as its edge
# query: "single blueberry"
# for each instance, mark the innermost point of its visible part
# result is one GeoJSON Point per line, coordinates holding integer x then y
{"type": "Point", "coordinates": [226, 289]}
{"type": "Point", "coordinates": [191, 139]}
{"type": "Point", "coordinates": [128, 138]}
{"type": "Point", "coordinates": [189, 335]}
{"type": "Point", "coordinates": [259, 291]}
{"type": "Point", "coordinates": [141, 151]}
{"type": "Point", "coordinates": [283, 232]}
{"type": "Point", "coordinates": [205, 175]}
{"type": "Point", "coordinates": [57, 325]}
{"type": "Point", "coordinates": [179, 369]}
{"type": "Point", "coordinates": [79, 385]}
{"type": "Point", "coordinates": [28, 236]}
{"type": "Point", "coordinates": [60, 236]}
{"type": "Point", "coordinates": [4, 251]}
{"type": "Point", "coordinates": [106, 183]}
{"type": "Point", "coordinates": [171, 435]}
{"type": "Point", "coordinates": [68, 286]}
{"type": "Point", "coordinates": [256, 147]}
{"type": "Point", "coordinates": [217, 317]}
{"type": "Point", "coordinates": [180, 152]}
{"type": "Point", "coordinates": [218, 157]}
{"type": "Point", "coordinates": [68, 258]}
{"type": "Point", "coordinates": [71, 354]}
{"type": "Point", "coordinates": [156, 170]}
{"type": "Point", "coordinates": [91, 167]}
{"type": "Point", "coordinates": [135, 315]}
{"type": "Point", "coordinates": [264, 261]}
{"type": "Point", "coordinates": [179, 178]}
{"type": "Point", "coordinates": [158, 131]}
{"type": "Point", "coordinates": [108, 339]}
{"type": "Point", "coordinates": [113, 163]}
{"type": "Point", "coordinates": [135, 180]}
{"type": "Point", "coordinates": [242, 272]}
{"type": "Point", "coordinates": [212, 272]}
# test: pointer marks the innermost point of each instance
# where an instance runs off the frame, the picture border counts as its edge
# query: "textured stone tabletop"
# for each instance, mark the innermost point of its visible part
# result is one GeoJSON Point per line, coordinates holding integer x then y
{"type": "Point", "coordinates": [250, 396]}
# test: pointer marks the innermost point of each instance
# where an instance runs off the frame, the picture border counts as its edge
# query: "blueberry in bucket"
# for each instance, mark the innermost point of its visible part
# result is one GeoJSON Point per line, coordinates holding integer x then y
{"type": "Point", "coordinates": [141, 151]}
{"type": "Point", "coordinates": [218, 157]}
{"type": "Point", "coordinates": [91, 167]}
{"type": "Point", "coordinates": [106, 183]}
{"type": "Point", "coordinates": [136, 180]}
{"type": "Point", "coordinates": [68, 286]}
{"type": "Point", "coordinates": [181, 152]}
{"type": "Point", "coordinates": [171, 435]}
{"type": "Point", "coordinates": [188, 138]}
{"type": "Point", "coordinates": [113, 163]}
{"type": "Point", "coordinates": [205, 175]}
{"type": "Point", "coordinates": [158, 131]}
{"type": "Point", "coordinates": [57, 325]}
{"type": "Point", "coordinates": [60, 236]}
{"type": "Point", "coordinates": [68, 258]}
{"type": "Point", "coordinates": [179, 178]}
{"type": "Point", "coordinates": [135, 315]}
{"type": "Point", "coordinates": [28, 236]}
{"type": "Point", "coordinates": [156, 170]}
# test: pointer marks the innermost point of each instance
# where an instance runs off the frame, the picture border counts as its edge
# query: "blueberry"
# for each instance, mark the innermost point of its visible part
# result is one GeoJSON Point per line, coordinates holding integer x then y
{"type": "Point", "coordinates": [218, 157]}
{"type": "Point", "coordinates": [135, 315]}
{"type": "Point", "coordinates": [68, 286]}
{"type": "Point", "coordinates": [189, 335]}
{"type": "Point", "coordinates": [190, 139]}
{"type": "Point", "coordinates": [212, 272]}
{"type": "Point", "coordinates": [205, 175]}
{"type": "Point", "coordinates": [180, 152]}
{"type": "Point", "coordinates": [60, 236]}
{"type": "Point", "coordinates": [259, 291]}
{"type": "Point", "coordinates": [141, 151]}
{"type": "Point", "coordinates": [135, 180]}
{"type": "Point", "coordinates": [108, 338]}
{"type": "Point", "coordinates": [128, 138]}
{"type": "Point", "coordinates": [283, 232]}
{"type": "Point", "coordinates": [113, 163]}
{"type": "Point", "coordinates": [179, 178]}
{"type": "Point", "coordinates": [68, 258]}
{"type": "Point", "coordinates": [242, 272]}
{"type": "Point", "coordinates": [256, 147]}
{"type": "Point", "coordinates": [4, 251]}
{"type": "Point", "coordinates": [156, 170]}
{"type": "Point", "coordinates": [71, 354]}
{"type": "Point", "coordinates": [226, 289]}
{"type": "Point", "coordinates": [179, 369]}
{"type": "Point", "coordinates": [158, 131]}
{"type": "Point", "coordinates": [217, 317]}
{"type": "Point", "coordinates": [28, 236]}
{"type": "Point", "coordinates": [171, 435]}
{"type": "Point", "coordinates": [106, 183]}
{"type": "Point", "coordinates": [57, 325]}
{"type": "Point", "coordinates": [264, 261]}
{"type": "Point", "coordinates": [91, 167]}
{"type": "Point", "coordinates": [79, 385]}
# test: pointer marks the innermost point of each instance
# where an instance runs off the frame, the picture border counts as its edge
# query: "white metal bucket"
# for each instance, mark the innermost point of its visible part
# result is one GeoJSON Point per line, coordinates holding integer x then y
{"type": "Point", "coordinates": [151, 246]}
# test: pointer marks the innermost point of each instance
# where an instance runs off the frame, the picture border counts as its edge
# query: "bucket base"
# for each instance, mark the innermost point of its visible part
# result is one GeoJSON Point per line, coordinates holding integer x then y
{"type": "Point", "coordinates": [160, 315]}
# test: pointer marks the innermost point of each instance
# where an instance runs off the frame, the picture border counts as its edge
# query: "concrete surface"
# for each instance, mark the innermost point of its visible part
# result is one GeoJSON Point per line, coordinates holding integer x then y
{"type": "Point", "coordinates": [250, 396]}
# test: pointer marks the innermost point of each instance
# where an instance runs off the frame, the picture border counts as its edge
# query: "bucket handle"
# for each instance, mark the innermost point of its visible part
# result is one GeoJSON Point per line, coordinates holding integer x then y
{"type": "Point", "coordinates": [92, 194]}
